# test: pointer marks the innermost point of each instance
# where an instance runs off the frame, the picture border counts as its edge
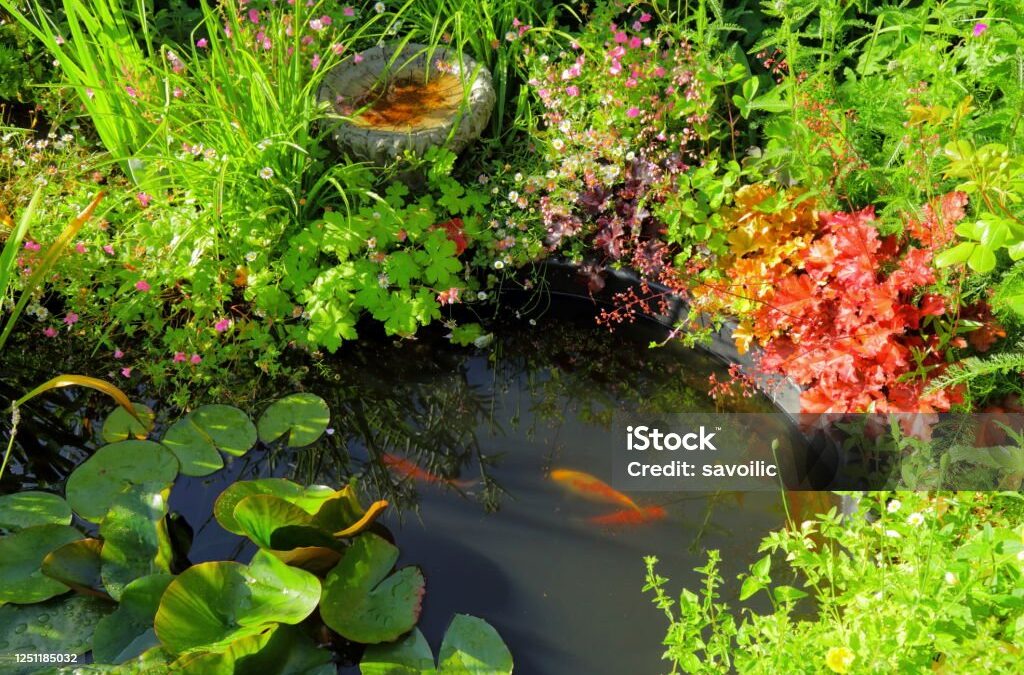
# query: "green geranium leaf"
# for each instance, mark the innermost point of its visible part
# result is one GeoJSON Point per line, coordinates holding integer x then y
{"type": "Point", "coordinates": [128, 632]}
{"type": "Point", "coordinates": [282, 650]}
{"type": "Point", "coordinates": [228, 428]}
{"type": "Point", "coordinates": [21, 557]}
{"type": "Point", "coordinates": [134, 541]}
{"type": "Point", "coordinates": [114, 469]}
{"type": "Point", "coordinates": [210, 605]}
{"type": "Point", "coordinates": [472, 647]}
{"type": "Point", "coordinates": [77, 565]}
{"type": "Point", "coordinates": [193, 448]}
{"type": "Point", "coordinates": [63, 625]}
{"type": "Point", "coordinates": [120, 426]}
{"type": "Point", "coordinates": [26, 509]}
{"type": "Point", "coordinates": [300, 418]}
{"type": "Point", "coordinates": [362, 602]}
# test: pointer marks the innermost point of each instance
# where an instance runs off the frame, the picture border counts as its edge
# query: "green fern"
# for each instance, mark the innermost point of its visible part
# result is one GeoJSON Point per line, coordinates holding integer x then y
{"type": "Point", "coordinates": [973, 368]}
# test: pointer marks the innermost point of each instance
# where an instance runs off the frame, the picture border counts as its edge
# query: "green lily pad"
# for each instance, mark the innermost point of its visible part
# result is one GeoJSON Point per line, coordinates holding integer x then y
{"type": "Point", "coordinates": [229, 428]}
{"type": "Point", "coordinates": [363, 602]}
{"type": "Point", "coordinates": [61, 625]}
{"type": "Point", "coordinates": [21, 557]}
{"type": "Point", "coordinates": [26, 509]}
{"type": "Point", "coordinates": [114, 469]}
{"type": "Point", "coordinates": [193, 448]}
{"type": "Point", "coordinates": [308, 499]}
{"type": "Point", "coordinates": [134, 543]}
{"type": "Point", "coordinates": [120, 426]}
{"type": "Point", "coordinates": [128, 632]}
{"type": "Point", "coordinates": [282, 650]}
{"type": "Point", "coordinates": [301, 419]}
{"type": "Point", "coordinates": [259, 516]}
{"type": "Point", "coordinates": [77, 565]}
{"type": "Point", "coordinates": [471, 646]}
{"type": "Point", "coordinates": [210, 605]}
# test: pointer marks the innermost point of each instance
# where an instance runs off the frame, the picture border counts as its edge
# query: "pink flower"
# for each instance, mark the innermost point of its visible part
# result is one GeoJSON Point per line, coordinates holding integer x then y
{"type": "Point", "coordinates": [254, 15]}
{"type": "Point", "coordinates": [449, 297]}
{"type": "Point", "coordinates": [50, 332]}
{"type": "Point", "coordinates": [307, 40]}
{"type": "Point", "coordinates": [314, 62]}
{"type": "Point", "coordinates": [633, 112]}
{"type": "Point", "coordinates": [179, 357]}
{"type": "Point", "coordinates": [144, 199]}
{"type": "Point", "coordinates": [132, 91]}
{"type": "Point", "coordinates": [178, 93]}
{"type": "Point", "coordinates": [316, 25]}
{"type": "Point", "coordinates": [326, 20]}
{"type": "Point", "coordinates": [126, 371]}
{"type": "Point", "coordinates": [357, 58]}
{"type": "Point", "coordinates": [142, 285]}
{"type": "Point", "coordinates": [108, 249]}
{"type": "Point", "coordinates": [196, 359]}
{"type": "Point", "coordinates": [980, 28]}
{"type": "Point", "coordinates": [645, 17]}
{"type": "Point", "coordinates": [71, 319]}
{"type": "Point", "coordinates": [202, 43]}
{"type": "Point", "coordinates": [620, 37]}
{"type": "Point", "coordinates": [338, 49]}
{"type": "Point", "coordinates": [349, 11]}
{"type": "Point", "coordinates": [80, 248]}
{"type": "Point", "coordinates": [32, 246]}
{"type": "Point", "coordinates": [222, 325]}
{"type": "Point", "coordinates": [572, 90]}
{"type": "Point", "coordinates": [634, 43]}
{"type": "Point", "coordinates": [118, 354]}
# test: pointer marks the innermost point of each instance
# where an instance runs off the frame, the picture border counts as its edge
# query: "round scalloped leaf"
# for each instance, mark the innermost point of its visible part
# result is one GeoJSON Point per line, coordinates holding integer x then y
{"type": "Point", "coordinates": [21, 557]}
{"type": "Point", "coordinates": [409, 656]}
{"type": "Point", "coordinates": [115, 468]}
{"type": "Point", "coordinates": [229, 428]}
{"type": "Point", "coordinates": [120, 426]}
{"type": "Point", "coordinates": [77, 565]}
{"type": "Point", "coordinates": [309, 499]}
{"type": "Point", "coordinates": [30, 508]}
{"type": "Point", "coordinates": [472, 646]}
{"type": "Point", "coordinates": [212, 604]}
{"type": "Point", "coordinates": [128, 632]}
{"type": "Point", "coordinates": [193, 448]}
{"type": "Point", "coordinates": [363, 602]}
{"type": "Point", "coordinates": [62, 625]}
{"type": "Point", "coordinates": [134, 543]}
{"type": "Point", "coordinates": [282, 650]}
{"type": "Point", "coordinates": [301, 419]}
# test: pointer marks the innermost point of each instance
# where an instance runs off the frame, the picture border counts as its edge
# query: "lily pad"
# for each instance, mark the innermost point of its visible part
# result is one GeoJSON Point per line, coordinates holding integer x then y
{"type": "Point", "coordinates": [21, 557]}
{"type": "Point", "coordinates": [308, 499]}
{"type": "Point", "coordinates": [193, 448]}
{"type": "Point", "coordinates": [363, 602]}
{"type": "Point", "coordinates": [282, 650]}
{"type": "Point", "coordinates": [26, 509]}
{"type": "Point", "coordinates": [470, 647]}
{"type": "Point", "coordinates": [120, 426]}
{"type": "Point", "coordinates": [301, 419]}
{"type": "Point", "coordinates": [134, 545]}
{"type": "Point", "coordinates": [259, 516]}
{"type": "Point", "coordinates": [128, 632]}
{"type": "Point", "coordinates": [77, 565]}
{"type": "Point", "coordinates": [210, 605]}
{"type": "Point", "coordinates": [229, 428]}
{"type": "Point", "coordinates": [114, 469]}
{"type": "Point", "coordinates": [63, 625]}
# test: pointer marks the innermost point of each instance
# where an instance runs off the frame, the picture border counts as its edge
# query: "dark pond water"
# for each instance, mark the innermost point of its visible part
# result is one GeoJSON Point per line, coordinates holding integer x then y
{"type": "Point", "coordinates": [510, 545]}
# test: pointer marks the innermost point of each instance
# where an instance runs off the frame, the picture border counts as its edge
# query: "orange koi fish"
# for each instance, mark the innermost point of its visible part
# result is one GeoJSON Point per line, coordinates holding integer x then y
{"type": "Point", "coordinates": [590, 487]}
{"type": "Point", "coordinates": [648, 514]}
{"type": "Point", "coordinates": [407, 469]}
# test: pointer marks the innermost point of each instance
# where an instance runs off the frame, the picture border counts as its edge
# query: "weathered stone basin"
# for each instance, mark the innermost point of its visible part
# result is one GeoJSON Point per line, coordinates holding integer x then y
{"type": "Point", "coordinates": [409, 97]}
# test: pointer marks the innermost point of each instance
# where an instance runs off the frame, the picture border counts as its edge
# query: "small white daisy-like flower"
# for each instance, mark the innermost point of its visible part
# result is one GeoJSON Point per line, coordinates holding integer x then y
{"type": "Point", "coordinates": [481, 295]}
{"type": "Point", "coordinates": [266, 173]}
{"type": "Point", "coordinates": [915, 519]}
{"type": "Point", "coordinates": [499, 264]}
{"type": "Point", "coordinates": [513, 196]}
{"type": "Point", "coordinates": [894, 506]}
{"type": "Point", "coordinates": [951, 579]}
{"type": "Point", "coordinates": [379, 8]}
{"type": "Point", "coordinates": [892, 534]}
{"type": "Point", "coordinates": [518, 177]}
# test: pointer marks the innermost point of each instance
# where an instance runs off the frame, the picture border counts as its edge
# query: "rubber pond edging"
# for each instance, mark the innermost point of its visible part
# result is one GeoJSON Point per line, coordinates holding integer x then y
{"type": "Point", "coordinates": [563, 278]}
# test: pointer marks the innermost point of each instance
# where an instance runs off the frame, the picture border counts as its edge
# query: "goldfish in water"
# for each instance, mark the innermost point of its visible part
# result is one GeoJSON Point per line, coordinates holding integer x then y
{"type": "Point", "coordinates": [407, 469]}
{"type": "Point", "coordinates": [646, 514]}
{"type": "Point", "coordinates": [590, 487]}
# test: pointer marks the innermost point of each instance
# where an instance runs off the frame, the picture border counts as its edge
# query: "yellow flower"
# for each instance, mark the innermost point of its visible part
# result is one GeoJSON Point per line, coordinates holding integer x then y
{"type": "Point", "coordinates": [839, 659]}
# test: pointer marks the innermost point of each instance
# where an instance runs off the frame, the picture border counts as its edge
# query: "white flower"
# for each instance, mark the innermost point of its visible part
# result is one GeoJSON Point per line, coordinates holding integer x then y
{"type": "Point", "coordinates": [379, 8]}
{"type": "Point", "coordinates": [513, 196]}
{"type": "Point", "coordinates": [894, 506]}
{"type": "Point", "coordinates": [481, 295]}
{"type": "Point", "coordinates": [518, 177]}
{"type": "Point", "coordinates": [892, 534]}
{"type": "Point", "coordinates": [915, 519]}
{"type": "Point", "coordinates": [266, 173]}
{"type": "Point", "coordinates": [558, 144]}
{"type": "Point", "coordinates": [499, 264]}
{"type": "Point", "coordinates": [951, 579]}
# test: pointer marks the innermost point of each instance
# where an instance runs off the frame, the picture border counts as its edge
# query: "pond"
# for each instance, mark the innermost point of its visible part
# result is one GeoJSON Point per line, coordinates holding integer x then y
{"type": "Point", "coordinates": [474, 507]}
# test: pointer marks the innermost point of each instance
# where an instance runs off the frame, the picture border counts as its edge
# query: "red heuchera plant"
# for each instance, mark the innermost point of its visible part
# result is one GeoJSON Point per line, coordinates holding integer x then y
{"type": "Point", "coordinates": [851, 327]}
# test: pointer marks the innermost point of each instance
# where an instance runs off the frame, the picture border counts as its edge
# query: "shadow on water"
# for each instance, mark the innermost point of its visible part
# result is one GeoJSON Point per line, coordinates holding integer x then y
{"type": "Point", "coordinates": [495, 537]}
